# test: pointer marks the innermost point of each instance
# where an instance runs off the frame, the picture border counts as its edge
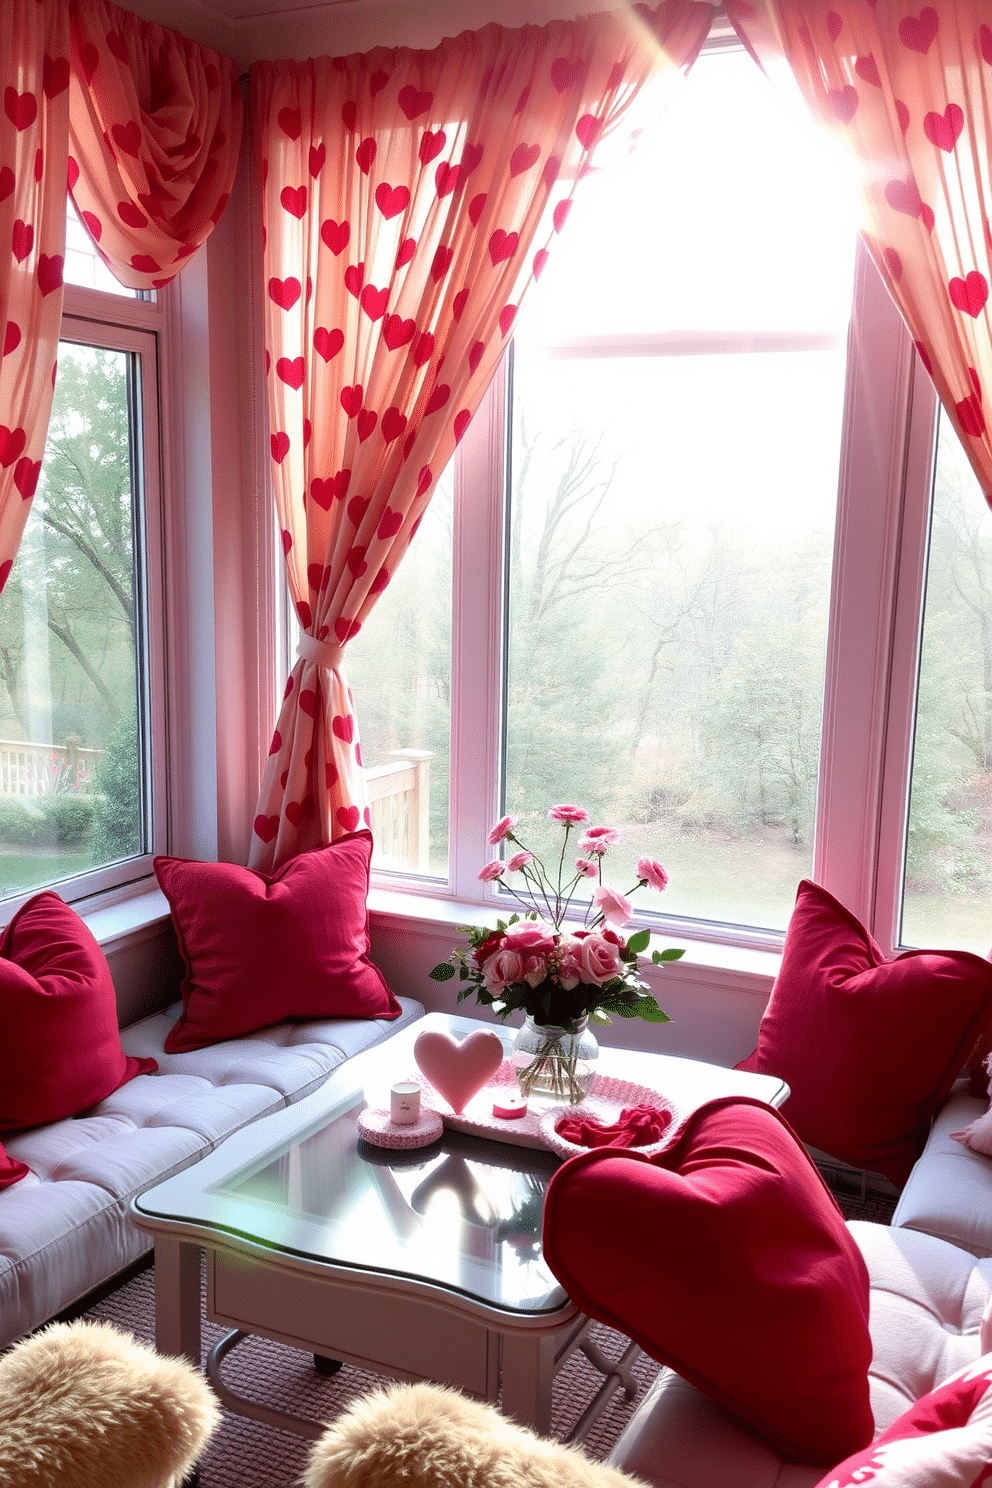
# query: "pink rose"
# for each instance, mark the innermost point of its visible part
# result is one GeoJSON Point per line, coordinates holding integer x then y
{"type": "Point", "coordinates": [502, 829]}
{"type": "Point", "coordinates": [573, 816]}
{"type": "Point", "coordinates": [531, 936]}
{"type": "Point", "coordinates": [586, 867]}
{"type": "Point", "coordinates": [519, 860]}
{"type": "Point", "coordinates": [491, 871]}
{"type": "Point", "coordinates": [569, 961]}
{"type": "Point", "coordinates": [598, 839]}
{"type": "Point", "coordinates": [598, 959]}
{"type": "Point", "coordinates": [502, 969]}
{"type": "Point", "coordinates": [650, 871]}
{"type": "Point", "coordinates": [535, 970]}
{"type": "Point", "coordinates": [615, 909]}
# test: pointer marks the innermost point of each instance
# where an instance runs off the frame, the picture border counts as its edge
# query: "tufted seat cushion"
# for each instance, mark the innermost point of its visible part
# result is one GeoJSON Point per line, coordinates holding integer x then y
{"type": "Point", "coordinates": [64, 1229]}
{"type": "Point", "coordinates": [927, 1300]}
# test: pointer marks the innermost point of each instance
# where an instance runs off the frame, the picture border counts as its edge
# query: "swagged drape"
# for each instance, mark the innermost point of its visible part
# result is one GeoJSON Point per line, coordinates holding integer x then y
{"type": "Point", "coordinates": [155, 129]}
{"type": "Point", "coordinates": [911, 90]}
{"type": "Point", "coordinates": [409, 200]}
{"type": "Point", "coordinates": [34, 143]}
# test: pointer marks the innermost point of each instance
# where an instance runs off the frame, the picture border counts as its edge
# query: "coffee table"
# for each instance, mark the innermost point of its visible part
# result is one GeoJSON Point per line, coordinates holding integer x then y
{"type": "Point", "coordinates": [415, 1265]}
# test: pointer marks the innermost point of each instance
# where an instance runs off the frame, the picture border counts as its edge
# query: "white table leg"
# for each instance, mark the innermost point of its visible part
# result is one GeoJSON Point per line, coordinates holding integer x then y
{"type": "Point", "coordinates": [177, 1298]}
{"type": "Point", "coordinates": [528, 1369]}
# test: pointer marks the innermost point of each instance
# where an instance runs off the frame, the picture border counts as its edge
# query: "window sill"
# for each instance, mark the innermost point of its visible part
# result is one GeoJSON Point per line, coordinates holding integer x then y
{"type": "Point", "coordinates": [116, 920]}
{"type": "Point", "coordinates": [742, 967]}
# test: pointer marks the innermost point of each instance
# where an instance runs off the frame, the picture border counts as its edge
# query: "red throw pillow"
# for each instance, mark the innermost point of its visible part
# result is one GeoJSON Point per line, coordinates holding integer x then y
{"type": "Point", "coordinates": [944, 1440]}
{"type": "Point", "coordinates": [61, 1050]}
{"type": "Point", "coordinates": [726, 1258]}
{"type": "Point", "coordinates": [868, 1047]}
{"type": "Point", "coordinates": [262, 947]}
{"type": "Point", "coordinates": [11, 1171]}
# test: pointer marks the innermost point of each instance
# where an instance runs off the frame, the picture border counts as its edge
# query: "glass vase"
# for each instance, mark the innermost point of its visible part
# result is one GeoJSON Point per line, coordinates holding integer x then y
{"type": "Point", "coordinates": [555, 1065]}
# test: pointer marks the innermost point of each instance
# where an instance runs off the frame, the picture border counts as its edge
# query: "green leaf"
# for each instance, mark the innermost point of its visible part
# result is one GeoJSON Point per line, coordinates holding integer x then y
{"type": "Point", "coordinates": [442, 973]}
{"type": "Point", "coordinates": [658, 957]}
{"type": "Point", "coordinates": [652, 1013]}
{"type": "Point", "coordinates": [639, 942]}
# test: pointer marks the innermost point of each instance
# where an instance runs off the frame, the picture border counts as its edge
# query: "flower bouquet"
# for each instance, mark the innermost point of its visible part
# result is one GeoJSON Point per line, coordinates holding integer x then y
{"type": "Point", "coordinates": [559, 976]}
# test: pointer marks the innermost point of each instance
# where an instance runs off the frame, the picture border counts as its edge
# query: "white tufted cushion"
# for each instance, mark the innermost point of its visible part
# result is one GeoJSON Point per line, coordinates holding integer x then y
{"type": "Point", "coordinates": [64, 1229]}
{"type": "Point", "coordinates": [927, 1300]}
{"type": "Point", "coordinates": [949, 1191]}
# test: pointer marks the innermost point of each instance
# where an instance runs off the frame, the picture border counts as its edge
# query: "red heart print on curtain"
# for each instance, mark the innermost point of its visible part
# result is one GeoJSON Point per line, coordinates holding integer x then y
{"type": "Point", "coordinates": [917, 82]}
{"type": "Point", "coordinates": [155, 129]}
{"type": "Point", "coordinates": [442, 175]}
{"type": "Point", "coordinates": [34, 128]}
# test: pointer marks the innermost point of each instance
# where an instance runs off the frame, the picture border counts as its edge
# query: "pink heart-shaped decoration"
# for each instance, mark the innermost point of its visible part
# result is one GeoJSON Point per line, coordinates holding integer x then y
{"type": "Point", "coordinates": [458, 1069]}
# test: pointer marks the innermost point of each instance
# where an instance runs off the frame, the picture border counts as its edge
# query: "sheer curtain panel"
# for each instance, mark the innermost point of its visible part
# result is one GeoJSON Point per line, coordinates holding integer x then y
{"type": "Point", "coordinates": [155, 126]}
{"type": "Point", "coordinates": [34, 144]}
{"type": "Point", "coordinates": [410, 199]}
{"type": "Point", "coordinates": [910, 88]}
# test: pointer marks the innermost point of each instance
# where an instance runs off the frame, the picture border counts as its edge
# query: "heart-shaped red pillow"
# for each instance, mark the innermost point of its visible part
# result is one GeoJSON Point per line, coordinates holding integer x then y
{"type": "Point", "coordinates": [726, 1258]}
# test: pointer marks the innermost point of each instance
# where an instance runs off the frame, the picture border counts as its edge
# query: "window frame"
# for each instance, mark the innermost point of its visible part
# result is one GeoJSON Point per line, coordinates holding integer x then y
{"type": "Point", "coordinates": [131, 325]}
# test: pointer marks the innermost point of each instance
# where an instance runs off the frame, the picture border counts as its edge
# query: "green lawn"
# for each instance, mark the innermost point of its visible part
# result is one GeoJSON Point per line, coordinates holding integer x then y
{"type": "Point", "coordinates": [22, 871]}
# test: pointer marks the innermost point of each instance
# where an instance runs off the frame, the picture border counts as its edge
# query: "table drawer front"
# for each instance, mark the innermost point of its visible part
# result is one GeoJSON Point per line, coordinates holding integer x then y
{"type": "Point", "coordinates": [392, 1334]}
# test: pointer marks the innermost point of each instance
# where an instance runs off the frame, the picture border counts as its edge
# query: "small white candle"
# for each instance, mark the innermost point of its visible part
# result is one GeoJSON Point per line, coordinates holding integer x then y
{"type": "Point", "coordinates": [404, 1102]}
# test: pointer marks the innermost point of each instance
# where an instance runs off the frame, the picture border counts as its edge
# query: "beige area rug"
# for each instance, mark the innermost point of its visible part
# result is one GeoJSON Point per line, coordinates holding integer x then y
{"type": "Point", "coordinates": [244, 1454]}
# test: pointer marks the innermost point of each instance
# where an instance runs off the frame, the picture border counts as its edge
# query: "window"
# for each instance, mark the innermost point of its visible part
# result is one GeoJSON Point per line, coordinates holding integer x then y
{"type": "Point", "coordinates": [948, 872]}
{"type": "Point", "coordinates": [80, 660]}
{"type": "Point", "coordinates": [690, 541]}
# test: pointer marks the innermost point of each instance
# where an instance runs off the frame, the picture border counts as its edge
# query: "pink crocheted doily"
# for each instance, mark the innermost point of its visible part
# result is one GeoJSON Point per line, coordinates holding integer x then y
{"type": "Point", "coordinates": [378, 1127]}
{"type": "Point", "coordinates": [607, 1098]}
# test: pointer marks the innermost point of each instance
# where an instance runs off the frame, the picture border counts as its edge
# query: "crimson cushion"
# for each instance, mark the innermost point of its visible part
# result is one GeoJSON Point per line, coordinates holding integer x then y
{"type": "Point", "coordinates": [944, 1440]}
{"type": "Point", "coordinates": [11, 1171]}
{"type": "Point", "coordinates": [262, 947]}
{"type": "Point", "coordinates": [869, 1047]}
{"type": "Point", "coordinates": [726, 1258]}
{"type": "Point", "coordinates": [61, 1051]}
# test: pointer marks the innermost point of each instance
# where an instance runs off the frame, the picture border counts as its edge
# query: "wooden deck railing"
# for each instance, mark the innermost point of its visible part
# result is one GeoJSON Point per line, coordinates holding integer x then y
{"type": "Point", "coordinates": [400, 798]}
{"type": "Point", "coordinates": [46, 769]}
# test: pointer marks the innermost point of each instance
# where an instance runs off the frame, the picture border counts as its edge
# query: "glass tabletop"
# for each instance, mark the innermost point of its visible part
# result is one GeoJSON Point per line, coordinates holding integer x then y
{"type": "Point", "coordinates": [463, 1214]}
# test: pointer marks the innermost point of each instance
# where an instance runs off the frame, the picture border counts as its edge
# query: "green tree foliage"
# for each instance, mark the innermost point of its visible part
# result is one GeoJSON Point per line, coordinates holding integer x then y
{"type": "Point", "coordinates": [74, 575]}
{"type": "Point", "coordinates": [117, 818]}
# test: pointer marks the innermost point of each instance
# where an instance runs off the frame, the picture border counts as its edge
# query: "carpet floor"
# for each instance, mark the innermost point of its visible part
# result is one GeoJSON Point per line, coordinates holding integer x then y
{"type": "Point", "coordinates": [245, 1454]}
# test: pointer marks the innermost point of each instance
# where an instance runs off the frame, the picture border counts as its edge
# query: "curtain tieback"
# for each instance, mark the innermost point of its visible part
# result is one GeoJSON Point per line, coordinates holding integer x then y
{"type": "Point", "coordinates": [324, 653]}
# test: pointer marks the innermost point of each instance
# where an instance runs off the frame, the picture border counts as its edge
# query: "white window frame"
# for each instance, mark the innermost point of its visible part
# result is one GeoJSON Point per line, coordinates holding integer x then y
{"type": "Point", "coordinates": [125, 323]}
{"type": "Point", "coordinates": [873, 642]}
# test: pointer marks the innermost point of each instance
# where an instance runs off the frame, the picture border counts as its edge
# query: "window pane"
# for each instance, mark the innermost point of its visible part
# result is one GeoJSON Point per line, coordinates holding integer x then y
{"type": "Point", "coordinates": [673, 503]}
{"type": "Point", "coordinates": [70, 795]}
{"type": "Point", "coordinates": [400, 668]}
{"type": "Point", "coordinates": [948, 887]}
{"type": "Point", "coordinates": [83, 264]}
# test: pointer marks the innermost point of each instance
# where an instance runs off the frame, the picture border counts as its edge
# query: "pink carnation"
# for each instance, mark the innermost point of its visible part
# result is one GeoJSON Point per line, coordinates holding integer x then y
{"type": "Point", "coordinates": [491, 871]}
{"type": "Point", "coordinates": [614, 908]}
{"type": "Point", "coordinates": [519, 860]}
{"type": "Point", "coordinates": [572, 815]}
{"type": "Point", "coordinates": [650, 871]}
{"type": "Point", "coordinates": [502, 829]}
{"type": "Point", "coordinates": [598, 839]}
{"type": "Point", "coordinates": [586, 867]}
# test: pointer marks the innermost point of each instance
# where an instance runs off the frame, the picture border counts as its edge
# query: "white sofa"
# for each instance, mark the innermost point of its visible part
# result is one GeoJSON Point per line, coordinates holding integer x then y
{"type": "Point", "coordinates": [65, 1229]}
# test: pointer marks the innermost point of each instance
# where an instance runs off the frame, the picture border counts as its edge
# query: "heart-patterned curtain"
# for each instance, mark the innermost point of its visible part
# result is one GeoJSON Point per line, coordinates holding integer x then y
{"type": "Point", "coordinates": [410, 199]}
{"type": "Point", "coordinates": [155, 126]}
{"type": "Point", "coordinates": [910, 90]}
{"type": "Point", "coordinates": [34, 146]}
